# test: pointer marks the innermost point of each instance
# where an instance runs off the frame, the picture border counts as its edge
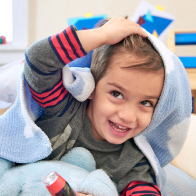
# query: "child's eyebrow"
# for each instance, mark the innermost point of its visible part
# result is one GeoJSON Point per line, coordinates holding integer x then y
{"type": "Point", "coordinates": [151, 97]}
{"type": "Point", "coordinates": [117, 86]}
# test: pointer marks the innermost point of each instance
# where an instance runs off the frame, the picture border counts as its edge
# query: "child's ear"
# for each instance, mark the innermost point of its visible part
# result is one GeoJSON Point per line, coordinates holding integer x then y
{"type": "Point", "coordinates": [91, 95]}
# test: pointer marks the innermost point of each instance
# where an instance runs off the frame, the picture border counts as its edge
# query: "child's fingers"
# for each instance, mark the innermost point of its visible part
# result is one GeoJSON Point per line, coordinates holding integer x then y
{"type": "Point", "coordinates": [118, 28]}
{"type": "Point", "coordinates": [136, 29]}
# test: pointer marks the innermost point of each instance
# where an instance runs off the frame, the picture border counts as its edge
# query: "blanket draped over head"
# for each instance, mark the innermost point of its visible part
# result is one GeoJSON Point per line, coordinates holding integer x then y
{"type": "Point", "coordinates": [21, 140]}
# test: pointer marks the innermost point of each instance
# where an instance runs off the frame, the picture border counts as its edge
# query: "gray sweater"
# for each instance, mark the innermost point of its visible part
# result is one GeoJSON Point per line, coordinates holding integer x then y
{"type": "Point", "coordinates": [64, 119]}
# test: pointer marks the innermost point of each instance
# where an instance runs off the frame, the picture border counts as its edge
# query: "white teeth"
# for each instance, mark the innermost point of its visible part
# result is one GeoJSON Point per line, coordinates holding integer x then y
{"type": "Point", "coordinates": [120, 128]}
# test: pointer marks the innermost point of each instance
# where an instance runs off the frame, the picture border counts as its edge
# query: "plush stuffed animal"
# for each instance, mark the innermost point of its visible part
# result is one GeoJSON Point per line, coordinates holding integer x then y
{"type": "Point", "coordinates": [77, 167]}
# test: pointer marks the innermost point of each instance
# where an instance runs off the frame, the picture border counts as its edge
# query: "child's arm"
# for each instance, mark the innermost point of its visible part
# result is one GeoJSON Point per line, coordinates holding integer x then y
{"type": "Point", "coordinates": [110, 33]}
{"type": "Point", "coordinates": [43, 68]}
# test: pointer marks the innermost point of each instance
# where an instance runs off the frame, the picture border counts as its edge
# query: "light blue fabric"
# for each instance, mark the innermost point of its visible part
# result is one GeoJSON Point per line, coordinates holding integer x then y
{"type": "Point", "coordinates": [22, 141]}
{"type": "Point", "coordinates": [83, 84]}
{"type": "Point", "coordinates": [163, 139]}
{"type": "Point", "coordinates": [78, 168]}
{"type": "Point", "coordinates": [179, 182]}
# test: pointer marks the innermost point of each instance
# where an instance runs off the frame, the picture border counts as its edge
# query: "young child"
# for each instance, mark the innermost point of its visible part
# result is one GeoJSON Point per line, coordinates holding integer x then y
{"type": "Point", "coordinates": [135, 120]}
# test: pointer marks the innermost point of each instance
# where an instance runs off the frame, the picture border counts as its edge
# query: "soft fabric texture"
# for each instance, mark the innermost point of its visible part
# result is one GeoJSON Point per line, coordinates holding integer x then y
{"type": "Point", "coordinates": [77, 87]}
{"type": "Point", "coordinates": [186, 160]}
{"type": "Point", "coordinates": [179, 182]}
{"type": "Point", "coordinates": [161, 141]}
{"type": "Point", "coordinates": [8, 82]}
{"type": "Point", "coordinates": [77, 167]}
{"type": "Point", "coordinates": [77, 77]}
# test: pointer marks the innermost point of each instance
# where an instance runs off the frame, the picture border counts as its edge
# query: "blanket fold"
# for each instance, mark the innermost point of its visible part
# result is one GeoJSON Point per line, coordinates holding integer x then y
{"type": "Point", "coordinates": [21, 140]}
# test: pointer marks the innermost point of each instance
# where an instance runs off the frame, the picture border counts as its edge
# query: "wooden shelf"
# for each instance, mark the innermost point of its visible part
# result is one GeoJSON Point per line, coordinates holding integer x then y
{"type": "Point", "coordinates": [185, 37]}
{"type": "Point", "coordinates": [2, 111]}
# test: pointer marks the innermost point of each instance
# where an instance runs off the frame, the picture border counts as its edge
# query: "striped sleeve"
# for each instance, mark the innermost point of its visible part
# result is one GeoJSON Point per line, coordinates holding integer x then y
{"type": "Point", "coordinates": [44, 61]}
{"type": "Point", "coordinates": [66, 45]}
{"type": "Point", "coordinates": [137, 188]}
{"type": "Point", "coordinates": [50, 97]}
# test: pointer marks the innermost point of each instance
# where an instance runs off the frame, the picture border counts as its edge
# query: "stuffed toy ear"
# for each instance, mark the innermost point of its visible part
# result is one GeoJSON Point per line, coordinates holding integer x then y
{"type": "Point", "coordinates": [98, 178]}
{"type": "Point", "coordinates": [80, 157]}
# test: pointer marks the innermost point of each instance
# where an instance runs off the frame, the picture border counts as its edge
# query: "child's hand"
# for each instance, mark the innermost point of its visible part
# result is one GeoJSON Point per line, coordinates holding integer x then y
{"type": "Point", "coordinates": [117, 29]}
{"type": "Point", "coordinates": [111, 33]}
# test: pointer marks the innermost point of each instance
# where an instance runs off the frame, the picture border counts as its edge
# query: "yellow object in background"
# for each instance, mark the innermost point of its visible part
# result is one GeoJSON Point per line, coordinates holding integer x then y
{"type": "Point", "coordinates": [155, 33]}
{"type": "Point", "coordinates": [160, 8]}
{"type": "Point", "coordinates": [88, 15]}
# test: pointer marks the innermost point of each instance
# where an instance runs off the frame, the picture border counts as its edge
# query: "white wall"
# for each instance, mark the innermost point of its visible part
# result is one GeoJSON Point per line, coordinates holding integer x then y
{"type": "Point", "coordinates": [48, 17]}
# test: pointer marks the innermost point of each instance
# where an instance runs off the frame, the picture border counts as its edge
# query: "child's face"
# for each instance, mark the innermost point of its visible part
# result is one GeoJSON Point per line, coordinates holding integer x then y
{"type": "Point", "coordinates": [124, 100]}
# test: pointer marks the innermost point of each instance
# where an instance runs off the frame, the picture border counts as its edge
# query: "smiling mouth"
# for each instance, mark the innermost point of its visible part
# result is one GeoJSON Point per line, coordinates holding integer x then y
{"type": "Point", "coordinates": [118, 127]}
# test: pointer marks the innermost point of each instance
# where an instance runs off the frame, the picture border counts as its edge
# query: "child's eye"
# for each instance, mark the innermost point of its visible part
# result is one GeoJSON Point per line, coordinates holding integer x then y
{"type": "Point", "coordinates": [116, 94]}
{"type": "Point", "coordinates": [147, 103]}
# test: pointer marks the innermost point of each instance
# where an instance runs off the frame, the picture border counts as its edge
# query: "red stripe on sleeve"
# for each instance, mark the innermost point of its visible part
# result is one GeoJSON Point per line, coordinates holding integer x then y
{"type": "Point", "coordinates": [74, 41]}
{"type": "Point", "coordinates": [46, 99]}
{"type": "Point", "coordinates": [52, 103]}
{"type": "Point", "coordinates": [124, 191]}
{"type": "Point", "coordinates": [50, 97]}
{"type": "Point", "coordinates": [59, 49]}
{"type": "Point", "coordinates": [137, 188]}
{"type": "Point", "coordinates": [66, 45]}
{"type": "Point", "coordinates": [45, 94]}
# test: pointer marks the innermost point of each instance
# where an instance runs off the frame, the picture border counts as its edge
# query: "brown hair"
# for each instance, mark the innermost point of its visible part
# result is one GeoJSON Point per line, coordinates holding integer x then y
{"type": "Point", "coordinates": [135, 45]}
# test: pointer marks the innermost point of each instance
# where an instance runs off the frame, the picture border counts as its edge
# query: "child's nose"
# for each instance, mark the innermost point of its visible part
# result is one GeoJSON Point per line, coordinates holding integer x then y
{"type": "Point", "coordinates": [128, 114]}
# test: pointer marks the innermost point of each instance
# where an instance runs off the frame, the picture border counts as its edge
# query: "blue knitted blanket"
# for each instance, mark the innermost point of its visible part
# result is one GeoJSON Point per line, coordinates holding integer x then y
{"type": "Point", "coordinates": [21, 140]}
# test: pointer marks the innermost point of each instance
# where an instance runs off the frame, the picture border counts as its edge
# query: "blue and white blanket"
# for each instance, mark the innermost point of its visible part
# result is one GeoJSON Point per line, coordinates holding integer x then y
{"type": "Point", "coordinates": [21, 140]}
